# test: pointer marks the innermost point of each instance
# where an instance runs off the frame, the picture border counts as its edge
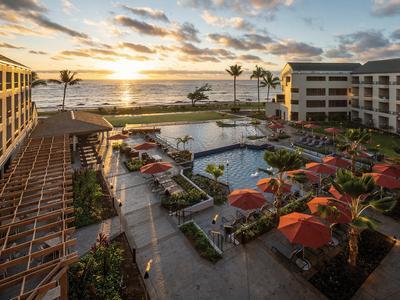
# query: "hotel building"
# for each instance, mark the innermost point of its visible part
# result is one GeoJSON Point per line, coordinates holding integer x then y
{"type": "Point", "coordinates": [17, 113]}
{"type": "Point", "coordinates": [368, 93]}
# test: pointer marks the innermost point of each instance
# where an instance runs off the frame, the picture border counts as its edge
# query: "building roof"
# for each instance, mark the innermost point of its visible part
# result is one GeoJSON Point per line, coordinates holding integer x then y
{"type": "Point", "coordinates": [71, 123]}
{"type": "Point", "coordinates": [380, 66]}
{"type": "Point", "coordinates": [11, 62]}
{"type": "Point", "coordinates": [312, 66]}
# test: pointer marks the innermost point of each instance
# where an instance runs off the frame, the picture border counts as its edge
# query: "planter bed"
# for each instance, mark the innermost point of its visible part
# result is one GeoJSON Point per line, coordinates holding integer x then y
{"type": "Point", "coordinates": [133, 167]}
{"type": "Point", "coordinates": [338, 280]}
{"type": "Point", "coordinates": [200, 242]}
{"type": "Point", "coordinates": [219, 192]}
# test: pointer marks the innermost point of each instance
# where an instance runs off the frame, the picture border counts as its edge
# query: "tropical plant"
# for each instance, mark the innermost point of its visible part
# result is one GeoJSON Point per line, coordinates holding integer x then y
{"type": "Point", "coordinates": [269, 81]}
{"type": "Point", "coordinates": [258, 73]}
{"type": "Point", "coordinates": [36, 81]}
{"type": "Point", "coordinates": [234, 71]}
{"type": "Point", "coordinates": [215, 171]}
{"type": "Point", "coordinates": [66, 78]}
{"type": "Point", "coordinates": [199, 94]}
{"type": "Point", "coordinates": [352, 142]}
{"type": "Point", "coordinates": [283, 160]}
{"type": "Point", "coordinates": [361, 194]}
{"type": "Point", "coordinates": [183, 140]}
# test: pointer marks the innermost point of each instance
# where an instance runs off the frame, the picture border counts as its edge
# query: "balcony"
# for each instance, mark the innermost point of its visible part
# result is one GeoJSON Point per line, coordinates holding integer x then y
{"type": "Point", "coordinates": [370, 108]}
{"type": "Point", "coordinates": [368, 80]}
{"type": "Point", "coordinates": [383, 110]}
{"type": "Point", "coordinates": [355, 80]}
{"type": "Point", "coordinates": [355, 106]}
{"type": "Point", "coordinates": [384, 80]}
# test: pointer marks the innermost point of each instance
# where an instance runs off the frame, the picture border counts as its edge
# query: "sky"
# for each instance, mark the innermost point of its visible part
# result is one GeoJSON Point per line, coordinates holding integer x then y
{"type": "Point", "coordinates": [193, 39]}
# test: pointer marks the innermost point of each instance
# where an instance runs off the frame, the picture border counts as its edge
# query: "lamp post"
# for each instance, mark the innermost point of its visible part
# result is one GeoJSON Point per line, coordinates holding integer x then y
{"type": "Point", "coordinates": [120, 215]}
{"type": "Point", "coordinates": [227, 176]}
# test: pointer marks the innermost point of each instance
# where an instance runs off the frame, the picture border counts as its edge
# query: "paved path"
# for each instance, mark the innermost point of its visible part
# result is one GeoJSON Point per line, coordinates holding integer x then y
{"type": "Point", "coordinates": [178, 272]}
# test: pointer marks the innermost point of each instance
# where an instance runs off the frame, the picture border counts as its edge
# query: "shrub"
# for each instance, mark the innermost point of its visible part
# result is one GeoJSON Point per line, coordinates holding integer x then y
{"type": "Point", "coordinates": [133, 165]}
{"type": "Point", "coordinates": [235, 109]}
{"type": "Point", "coordinates": [218, 191]}
{"type": "Point", "coordinates": [200, 242]}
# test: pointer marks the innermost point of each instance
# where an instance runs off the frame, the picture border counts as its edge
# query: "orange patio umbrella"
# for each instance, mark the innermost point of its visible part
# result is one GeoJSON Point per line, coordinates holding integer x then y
{"type": "Point", "coordinates": [246, 199]}
{"type": "Point", "coordinates": [321, 168]}
{"type": "Point", "coordinates": [304, 229]}
{"type": "Point", "coordinates": [155, 168]}
{"type": "Point", "coordinates": [300, 122]}
{"type": "Point", "coordinates": [344, 214]}
{"type": "Point", "coordinates": [385, 181]}
{"type": "Point", "coordinates": [336, 162]}
{"type": "Point", "coordinates": [117, 137]}
{"type": "Point", "coordinates": [145, 146]}
{"type": "Point", "coordinates": [338, 196]}
{"type": "Point", "coordinates": [386, 169]}
{"type": "Point", "coordinates": [276, 126]}
{"type": "Point", "coordinates": [270, 185]}
{"type": "Point", "coordinates": [333, 130]}
{"type": "Point", "coordinates": [310, 175]}
{"type": "Point", "coordinates": [311, 126]}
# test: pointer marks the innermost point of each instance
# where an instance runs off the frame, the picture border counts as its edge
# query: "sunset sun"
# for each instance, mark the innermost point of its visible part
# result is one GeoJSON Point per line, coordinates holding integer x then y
{"type": "Point", "coordinates": [126, 69]}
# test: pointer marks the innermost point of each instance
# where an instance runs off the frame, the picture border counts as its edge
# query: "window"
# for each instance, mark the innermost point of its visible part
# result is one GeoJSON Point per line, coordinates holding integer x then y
{"type": "Point", "coordinates": [367, 92]}
{"type": "Point", "coordinates": [294, 102]}
{"type": "Point", "coordinates": [16, 80]}
{"type": "Point", "coordinates": [368, 79]}
{"type": "Point", "coordinates": [294, 116]}
{"type": "Point", "coordinates": [337, 116]}
{"type": "Point", "coordinates": [16, 103]}
{"type": "Point", "coordinates": [398, 80]}
{"type": "Point", "coordinates": [315, 116]}
{"type": "Point", "coordinates": [21, 78]}
{"type": "Point", "coordinates": [8, 80]}
{"type": "Point", "coordinates": [398, 94]}
{"type": "Point", "coordinates": [8, 136]}
{"type": "Point", "coordinates": [287, 79]}
{"type": "Point", "coordinates": [315, 103]}
{"type": "Point", "coordinates": [294, 90]}
{"type": "Point", "coordinates": [9, 108]}
{"type": "Point", "coordinates": [337, 78]}
{"type": "Point", "coordinates": [315, 78]}
{"type": "Point", "coordinates": [315, 92]}
{"type": "Point", "coordinates": [16, 126]}
{"type": "Point", "coordinates": [1, 80]}
{"type": "Point", "coordinates": [337, 103]}
{"type": "Point", "coordinates": [355, 80]}
{"type": "Point", "coordinates": [337, 92]}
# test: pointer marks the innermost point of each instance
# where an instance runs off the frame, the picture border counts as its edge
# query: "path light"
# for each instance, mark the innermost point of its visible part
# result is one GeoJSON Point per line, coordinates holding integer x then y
{"type": "Point", "coordinates": [120, 214]}
{"type": "Point", "coordinates": [214, 220]}
{"type": "Point", "coordinates": [148, 267]}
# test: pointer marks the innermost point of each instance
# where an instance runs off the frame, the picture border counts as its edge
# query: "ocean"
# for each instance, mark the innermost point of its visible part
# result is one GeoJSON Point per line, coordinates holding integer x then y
{"type": "Point", "coordinates": [120, 93]}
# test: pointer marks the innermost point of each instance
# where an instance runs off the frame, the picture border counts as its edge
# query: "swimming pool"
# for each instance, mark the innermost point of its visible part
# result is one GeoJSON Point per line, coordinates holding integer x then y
{"type": "Point", "coordinates": [242, 169]}
{"type": "Point", "coordinates": [208, 135]}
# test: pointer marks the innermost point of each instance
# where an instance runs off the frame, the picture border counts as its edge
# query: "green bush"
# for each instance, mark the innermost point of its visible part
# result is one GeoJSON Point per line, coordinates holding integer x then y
{"type": "Point", "coordinates": [133, 165]}
{"type": "Point", "coordinates": [235, 109]}
{"type": "Point", "coordinates": [218, 191]}
{"type": "Point", "coordinates": [200, 242]}
{"type": "Point", "coordinates": [87, 192]}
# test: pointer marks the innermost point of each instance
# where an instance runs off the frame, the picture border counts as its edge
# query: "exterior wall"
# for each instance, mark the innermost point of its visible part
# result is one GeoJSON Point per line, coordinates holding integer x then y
{"type": "Point", "coordinates": [374, 110]}
{"type": "Point", "coordinates": [18, 114]}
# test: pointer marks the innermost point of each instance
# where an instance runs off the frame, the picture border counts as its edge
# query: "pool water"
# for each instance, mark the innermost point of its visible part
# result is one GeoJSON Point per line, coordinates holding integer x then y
{"type": "Point", "coordinates": [242, 168]}
{"type": "Point", "coordinates": [208, 135]}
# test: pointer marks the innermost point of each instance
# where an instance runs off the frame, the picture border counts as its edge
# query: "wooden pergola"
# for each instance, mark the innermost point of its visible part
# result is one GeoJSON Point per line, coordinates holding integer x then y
{"type": "Point", "coordinates": [36, 216]}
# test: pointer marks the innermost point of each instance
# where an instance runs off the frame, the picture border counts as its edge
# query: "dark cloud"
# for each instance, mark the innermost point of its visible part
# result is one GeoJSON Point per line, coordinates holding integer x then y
{"type": "Point", "coordinates": [102, 54]}
{"type": "Point", "coordinates": [339, 52]}
{"type": "Point", "coordinates": [246, 42]}
{"type": "Point", "coordinates": [292, 49]}
{"type": "Point", "coordinates": [385, 8]}
{"type": "Point", "coordinates": [249, 57]}
{"type": "Point", "coordinates": [137, 47]}
{"type": "Point", "coordinates": [186, 32]}
{"type": "Point", "coordinates": [38, 52]}
{"type": "Point", "coordinates": [148, 12]}
{"type": "Point", "coordinates": [362, 40]}
{"type": "Point", "coordinates": [396, 34]}
{"type": "Point", "coordinates": [181, 72]}
{"type": "Point", "coordinates": [22, 5]}
{"type": "Point", "coordinates": [9, 46]}
{"type": "Point", "coordinates": [203, 54]}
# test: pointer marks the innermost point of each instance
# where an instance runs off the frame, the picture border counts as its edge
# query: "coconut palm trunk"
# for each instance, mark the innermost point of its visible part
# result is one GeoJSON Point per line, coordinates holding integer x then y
{"type": "Point", "coordinates": [258, 93]}
{"type": "Point", "coordinates": [353, 246]}
{"type": "Point", "coordinates": [65, 93]}
{"type": "Point", "coordinates": [234, 90]}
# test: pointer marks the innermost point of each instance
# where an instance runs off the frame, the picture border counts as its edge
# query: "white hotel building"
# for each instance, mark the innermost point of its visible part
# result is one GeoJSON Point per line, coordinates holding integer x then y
{"type": "Point", "coordinates": [368, 93]}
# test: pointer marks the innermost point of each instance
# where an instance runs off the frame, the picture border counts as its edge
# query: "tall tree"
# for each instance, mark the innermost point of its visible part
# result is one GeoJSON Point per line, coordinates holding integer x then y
{"type": "Point", "coordinates": [234, 71]}
{"type": "Point", "coordinates": [361, 195]}
{"type": "Point", "coordinates": [36, 81]}
{"type": "Point", "coordinates": [66, 78]}
{"type": "Point", "coordinates": [199, 94]}
{"type": "Point", "coordinates": [258, 73]}
{"type": "Point", "coordinates": [352, 142]}
{"type": "Point", "coordinates": [183, 140]}
{"type": "Point", "coordinates": [269, 81]}
{"type": "Point", "coordinates": [215, 171]}
{"type": "Point", "coordinates": [283, 160]}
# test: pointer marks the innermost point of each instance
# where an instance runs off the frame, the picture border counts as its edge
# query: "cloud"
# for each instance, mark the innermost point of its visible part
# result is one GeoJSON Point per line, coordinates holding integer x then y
{"type": "Point", "coordinates": [9, 46]}
{"type": "Point", "coordinates": [18, 29]}
{"type": "Point", "coordinates": [385, 8]}
{"type": "Point", "coordinates": [362, 40]}
{"type": "Point", "coordinates": [148, 12]}
{"type": "Point", "coordinates": [68, 7]}
{"type": "Point", "coordinates": [312, 23]}
{"type": "Point", "coordinates": [338, 52]}
{"type": "Point", "coordinates": [38, 52]}
{"type": "Point", "coordinates": [96, 53]}
{"type": "Point", "coordinates": [293, 49]}
{"type": "Point", "coordinates": [249, 57]}
{"type": "Point", "coordinates": [23, 5]}
{"type": "Point", "coordinates": [234, 22]}
{"type": "Point", "coordinates": [137, 47]}
{"type": "Point", "coordinates": [184, 32]}
{"type": "Point", "coordinates": [396, 34]}
{"type": "Point", "coordinates": [246, 42]}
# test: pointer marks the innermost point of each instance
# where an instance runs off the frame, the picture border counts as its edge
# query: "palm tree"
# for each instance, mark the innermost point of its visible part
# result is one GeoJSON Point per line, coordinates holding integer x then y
{"type": "Point", "coordinates": [352, 142]}
{"type": "Point", "coordinates": [199, 94]}
{"type": "Point", "coordinates": [215, 171]}
{"type": "Point", "coordinates": [258, 73]}
{"type": "Point", "coordinates": [36, 81]}
{"type": "Point", "coordinates": [183, 140]}
{"type": "Point", "coordinates": [283, 160]}
{"type": "Point", "coordinates": [269, 81]}
{"type": "Point", "coordinates": [363, 195]}
{"type": "Point", "coordinates": [234, 71]}
{"type": "Point", "coordinates": [67, 78]}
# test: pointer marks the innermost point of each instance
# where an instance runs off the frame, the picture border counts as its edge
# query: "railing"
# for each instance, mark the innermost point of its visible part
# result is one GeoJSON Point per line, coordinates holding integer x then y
{"type": "Point", "coordinates": [183, 216]}
{"type": "Point", "coordinates": [217, 238]}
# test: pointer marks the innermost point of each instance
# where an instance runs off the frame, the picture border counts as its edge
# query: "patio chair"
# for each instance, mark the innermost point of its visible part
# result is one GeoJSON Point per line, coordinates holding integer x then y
{"type": "Point", "coordinates": [298, 259]}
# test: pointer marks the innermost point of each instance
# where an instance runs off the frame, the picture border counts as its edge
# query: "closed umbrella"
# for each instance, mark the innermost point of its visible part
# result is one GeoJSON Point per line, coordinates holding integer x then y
{"type": "Point", "coordinates": [145, 146]}
{"type": "Point", "coordinates": [344, 214]}
{"type": "Point", "coordinates": [246, 199]}
{"type": "Point", "coordinates": [155, 168]}
{"type": "Point", "coordinates": [386, 169]}
{"type": "Point", "coordinates": [336, 162]}
{"type": "Point", "coordinates": [270, 185]}
{"type": "Point", "coordinates": [304, 229]}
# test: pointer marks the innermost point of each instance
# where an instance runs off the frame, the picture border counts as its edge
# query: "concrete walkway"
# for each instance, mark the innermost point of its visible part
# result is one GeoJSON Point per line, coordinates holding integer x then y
{"type": "Point", "coordinates": [178, 272]}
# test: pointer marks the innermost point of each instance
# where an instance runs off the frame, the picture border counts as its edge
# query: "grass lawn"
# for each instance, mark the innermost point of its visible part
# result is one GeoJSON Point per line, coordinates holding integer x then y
{"type": "Point", "coordinates": [119, 121]}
